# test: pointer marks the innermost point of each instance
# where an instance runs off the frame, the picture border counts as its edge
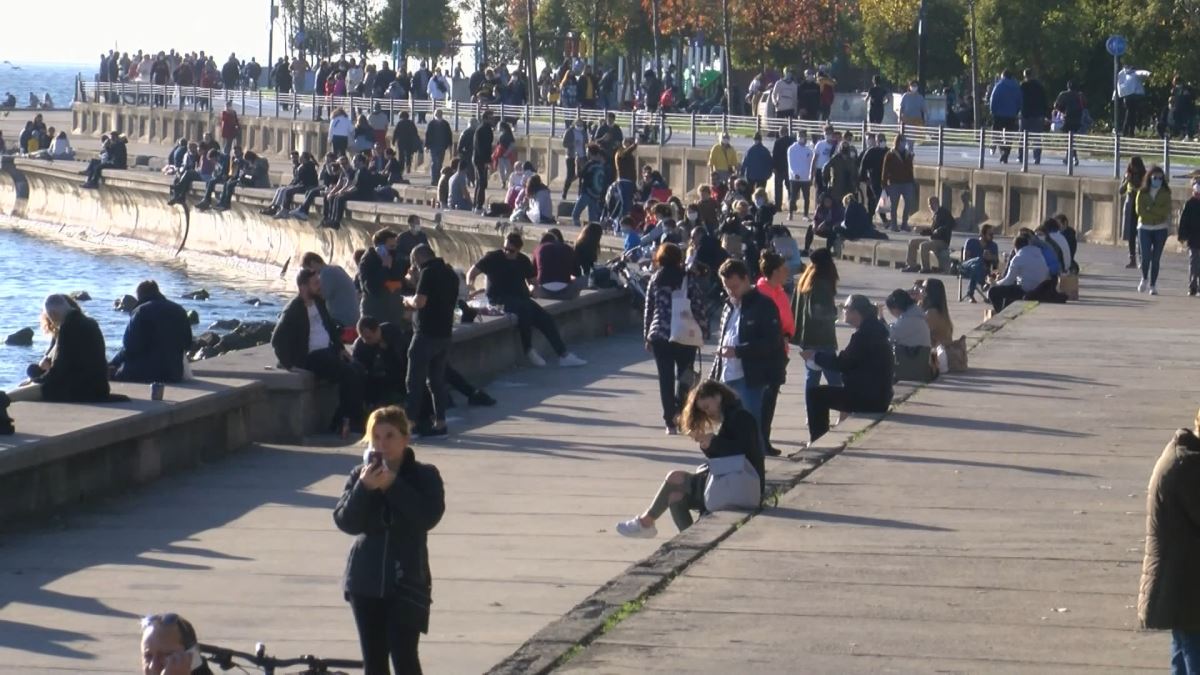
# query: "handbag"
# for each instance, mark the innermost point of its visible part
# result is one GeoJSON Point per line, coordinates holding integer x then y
{"type": "Point", "coordinates": [1068, 285]}
{"type": "Point", "coordinates": [956, 355]}
{"type": "Point", "coordinates": [685, 330]}
{"type": "Point", "coordinates": [732, 483]}
{"type": "Point", "coordinates": [884, 204]}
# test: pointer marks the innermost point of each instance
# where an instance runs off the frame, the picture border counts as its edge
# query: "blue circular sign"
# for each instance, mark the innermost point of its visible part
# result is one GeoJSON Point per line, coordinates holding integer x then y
{"type": "Point", "coordinates": [1115, 45]}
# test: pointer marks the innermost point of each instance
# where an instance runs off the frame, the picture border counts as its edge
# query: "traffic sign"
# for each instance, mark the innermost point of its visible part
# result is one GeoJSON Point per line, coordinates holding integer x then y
{"type": "Point", "coordinates": [1116, 45]}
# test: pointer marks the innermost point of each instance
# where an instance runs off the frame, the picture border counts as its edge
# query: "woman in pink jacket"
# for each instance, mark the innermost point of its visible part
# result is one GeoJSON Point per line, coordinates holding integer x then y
{"type": "Point", "coordinates": [775, 273]}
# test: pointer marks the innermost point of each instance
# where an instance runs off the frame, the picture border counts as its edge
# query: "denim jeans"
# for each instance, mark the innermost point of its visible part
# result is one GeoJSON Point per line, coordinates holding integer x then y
{"type": "Point", "coordinates": [813, 377]}
{"type": "Point", "coordinates": [1185, 653]}
{"type": "Point", "coordinates": [975, 270]}
{"type": "Point", "coordinates": [1194, 270]}
{"type": "Point", "coordinates": [752, 401]}
{"type": "Point", "coordinates": [1151, 243]}
{"type": "Point", "coordinates": [909, 192]}
{"type": "Point", "coordinates": [593, 208]}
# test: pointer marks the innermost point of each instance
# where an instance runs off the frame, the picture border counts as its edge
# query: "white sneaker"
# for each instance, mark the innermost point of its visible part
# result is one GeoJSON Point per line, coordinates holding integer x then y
{"type": "Point", "coordinates": [634, 528]}
{"type": "Point", "coordinates": [1142, 285]}
{"type": "Point", "coordinates": [1153, 290]}
{"type": "Point", "coordinates": [535, 359]}
{"type": "Point", "coordinates": [569, 360]}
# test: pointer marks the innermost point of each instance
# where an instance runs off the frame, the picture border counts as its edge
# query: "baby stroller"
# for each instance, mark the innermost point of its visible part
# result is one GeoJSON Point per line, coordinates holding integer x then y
{"type": "Point", "coordinates": [618, 203]}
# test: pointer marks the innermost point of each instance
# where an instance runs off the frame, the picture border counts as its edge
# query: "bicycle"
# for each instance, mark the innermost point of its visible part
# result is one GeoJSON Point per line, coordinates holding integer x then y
{"type": "Point", "coordinates": [227, 659]}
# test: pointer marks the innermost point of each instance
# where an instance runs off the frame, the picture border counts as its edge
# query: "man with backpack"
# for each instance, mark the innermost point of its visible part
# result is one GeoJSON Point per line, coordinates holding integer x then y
{"type": "Point", "coordinates": [593, 182]}
{"type": "Point", "coordinates": [1070, 107]}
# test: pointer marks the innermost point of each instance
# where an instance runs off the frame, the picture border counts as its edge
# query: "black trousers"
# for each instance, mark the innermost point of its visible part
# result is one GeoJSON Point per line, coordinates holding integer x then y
{"type": "Point", "coordinates": [309, 198]}
{"type": "Point", "coordinates": [770, 401]}
{"type": "Point", "coordinates": [329, 364]}
{"type": "Point", "coordinates": [183, 184]}
{"type": "Point", "coordinates": [819, 400]}
{"type": "Point", "coordinates": [1004, 124]}
{"type": "Point", "coordinates": [383, 634]}
{"type": "Point", "coordinates": [779, 179]}
{"type": "Point", "coordinates": [672, 360]}
{"type": "Point", "coordinates": [531, 315]}
{"type": "Point", "coordinates": [1003, 296]}
{"type": "Point", "coordinates": [481, 183]}
{"type": "Point", "coordinates": [795, 189]}
{"type": "Point", "coordinates": [572, 174]}
{"type": "Point", "coordinates": [427, 358]}
{"type": "Point", "coordinates": [340, 143]}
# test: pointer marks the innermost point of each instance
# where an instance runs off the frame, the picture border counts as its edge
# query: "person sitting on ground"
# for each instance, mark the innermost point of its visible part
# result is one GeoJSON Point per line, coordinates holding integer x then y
{"type": "Point", "coordinates": [76, 367]}
{"type": "Point", "coordinates": [1049, 232]}
{"type": "Point", "coordinates": [509, 273]}
{"type": "Point", "coordinates": [865, 365]}
{"type": "Point", "coordinates": [554, 266]}
{"type": "Point", "coordinates": [114, 154]}
{"type": "Point", "coordinates": [61, 148]}
{"type": "Point", "coordinates": [1027, 271]}
{"type": "Point", "coordinates": [910, 329]}
{"type": "Point", "coordinates": [534, 204]}
{"type": "Point", "coordinates": [1169, 593]}
{"type": "Point", "coordinates": [828, 217]}
{"type": "Point", "coordinates": [516, 183]}
{"type": "Point", "coordinates": [1049, 254]}
{"type": "Point", "coordinates": [459, 196]}
{"type": "Point", "coordinates": [920, 251]}
{"type": "Point", "coordinates": [306, 337]}
{"type": "Point", "coordinates": [937, 312]}
{"type": "Point", "coordinates": [170, 647]}
{"type": "Point", "coordinates": [652, 185]}
{"type": "Point", "coordinates": [156, 341]}
{"type": "Point", "coordinates": [857, 222]}
{"type": "Point", "coordinates": [980, 258]}
{"type": "Point", "coordinates": [337, 290]}
{"type": "Point", "coordinates": [710, 406]}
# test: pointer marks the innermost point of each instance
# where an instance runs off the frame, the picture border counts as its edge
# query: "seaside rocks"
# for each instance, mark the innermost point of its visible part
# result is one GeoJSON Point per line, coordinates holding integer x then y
{"type": "Point", "coordinates": [125, 304]}
{"type": "Point", "coordinates": [22, 338]}
{"type": "Point", "coordinates": [256, 302]}
{"type": "Point", "coordinates": [81, 296]}
{"type": "Point", "coordinates": [201, 294]}
{"type": "Point", "coordinates": [224, 324]}
{"type": "Point", "coordinates": [205, 339]}
{"type": "Point", "coordinates": [246, 335]}
{"type": "Point", "coordinates": [193, 317]}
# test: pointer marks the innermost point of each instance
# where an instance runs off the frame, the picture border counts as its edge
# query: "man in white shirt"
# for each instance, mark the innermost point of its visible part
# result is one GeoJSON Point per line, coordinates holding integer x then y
{"type": "Point", "coordinates": [438, 88]}
{"type": "Point", "coordinates": [800, 161]}
{"type": "Point", "coordinates": [1026, 272]}
{"type": "Point", "coordinates": [1131, 91]}
{"type": "Point", "coordinates": [822, 153]}
{"type": "Point", "coordinates": [784, 95]}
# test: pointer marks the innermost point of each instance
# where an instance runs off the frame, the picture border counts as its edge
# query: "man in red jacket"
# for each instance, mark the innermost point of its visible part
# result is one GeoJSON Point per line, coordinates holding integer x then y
{"type": "Point", "coordinates": [231, 128]}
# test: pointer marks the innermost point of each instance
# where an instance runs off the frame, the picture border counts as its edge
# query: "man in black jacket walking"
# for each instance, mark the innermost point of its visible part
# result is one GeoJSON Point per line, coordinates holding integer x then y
{"type": "Point", "coordinates": [752, 353]}
{"type": "Point", "coordinates": [779, 157]}
{"type": "Point", "coordinates": [306, 337]}
{"type": "Point", "coordinates": [865, 365]}
{"type": "Point", "coordinates": [438, 139]}
{"type": "Point", "coordinates": [433, 324]}
{"type": "Point", "coordinates": [483, 142]}
{"type": "Point", "coordinates": [1034, 107]}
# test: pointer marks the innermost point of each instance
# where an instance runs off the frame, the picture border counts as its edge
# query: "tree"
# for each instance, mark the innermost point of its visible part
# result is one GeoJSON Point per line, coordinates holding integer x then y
{"type": "Point", "coordinates": [773, 32]}
{"type": "Point", "coordinates": [889, 37]}
{"type": "Point", "coordinates": [431, 29]}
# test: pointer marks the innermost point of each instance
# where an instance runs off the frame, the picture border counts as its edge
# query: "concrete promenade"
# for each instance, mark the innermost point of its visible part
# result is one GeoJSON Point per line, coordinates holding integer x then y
{"type": "Point", "coordinates": [994, 523]}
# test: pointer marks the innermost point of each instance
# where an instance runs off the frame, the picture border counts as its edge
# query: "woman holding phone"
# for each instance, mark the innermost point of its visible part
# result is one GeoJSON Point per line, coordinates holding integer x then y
{"type": "Point", "coordinates": [390, 503]}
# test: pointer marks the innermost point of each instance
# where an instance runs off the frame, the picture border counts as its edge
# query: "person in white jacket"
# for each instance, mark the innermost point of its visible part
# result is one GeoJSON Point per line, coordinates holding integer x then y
{"type": "Point", "coordinates": [784, 95]}
{"type": "Point", "coordinates": [800, 159]}
{"type": "Point", "coordinates": [340, 131]}
{"type": "Point", "coordinates": [1131, 90]}
{"type": "Point", "coordinates": [438, 88]}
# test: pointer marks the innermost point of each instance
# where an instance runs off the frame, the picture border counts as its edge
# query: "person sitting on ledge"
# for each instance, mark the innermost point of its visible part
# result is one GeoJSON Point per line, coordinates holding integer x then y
{"type": "Point", "coordinates": [711, 406]}
{"type": "Point", "coordinates": [865, 366]}
{"type": "Point", "coordinates": [857, 223]}
{"type": "Point", "coordinates": [920, 250]}
{"type": "Point", "coordinates": [170, 647]}
{"type": "Point", "coordinates": [509, 273]}
{"type": "Point", "coordinates": [156, 341]}
{"type": "Point", "coordinates": [254, 172]}
{"type": "Point", "coordinates": [75, 369]}
{"type": "Point", "coordinates": [114, 154]}
{"type": "Point", "coordinates": [910, 329]}
{"type": "Point", "coordinates": [555, 269]}
{"type": "Point", "coordinates": [1026, 272]}
{"type": "Point", "coordinates": [980, 257]}
{"type": "Point", "coordinates": [186, 174]}
{"type": "Point", "coordinates": [338, 291]}
{"type": "Point", "coordinates": [306, 337]}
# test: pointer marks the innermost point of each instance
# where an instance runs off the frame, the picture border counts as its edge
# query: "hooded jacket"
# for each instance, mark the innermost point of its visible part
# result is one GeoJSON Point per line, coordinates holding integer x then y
{"type": "Point", "coordinates": [156, 340]}
{"type": "Point", "coordinates": [1169, 597]}
{"type": "Point", "coordinates": [866, 366]}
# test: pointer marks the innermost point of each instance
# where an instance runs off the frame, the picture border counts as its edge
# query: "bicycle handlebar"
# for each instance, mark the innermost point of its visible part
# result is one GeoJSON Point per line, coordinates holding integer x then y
{"type": "Point", "coordinates": [223, 658]}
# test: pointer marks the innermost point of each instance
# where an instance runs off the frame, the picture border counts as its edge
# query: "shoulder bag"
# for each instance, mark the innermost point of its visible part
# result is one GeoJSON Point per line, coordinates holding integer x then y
{"type": "Point", "coordinates": [685, 330]}
{"type": "Point", "coordinates": [732, 483]}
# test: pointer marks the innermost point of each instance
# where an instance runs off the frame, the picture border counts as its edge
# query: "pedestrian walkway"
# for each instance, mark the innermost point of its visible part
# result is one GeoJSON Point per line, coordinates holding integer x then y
{"type": "Point", "coordinates": [994, 523]}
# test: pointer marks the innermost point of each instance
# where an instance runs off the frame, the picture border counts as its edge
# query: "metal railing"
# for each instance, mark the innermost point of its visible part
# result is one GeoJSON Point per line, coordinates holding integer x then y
{"type": "Point", "coordinates": [674, 128]}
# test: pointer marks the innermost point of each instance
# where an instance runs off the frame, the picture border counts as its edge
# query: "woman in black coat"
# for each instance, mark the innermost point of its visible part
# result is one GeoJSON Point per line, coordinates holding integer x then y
{"type": "Point", "coordinates": [78, 366]}
{"type": "Point", "coordinates": [390, 503]}
{"type": "Point", "coordinates": [710, 405]}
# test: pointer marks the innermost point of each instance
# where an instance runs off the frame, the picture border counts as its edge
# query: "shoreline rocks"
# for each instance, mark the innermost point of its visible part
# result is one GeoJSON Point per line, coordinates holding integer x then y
{"type": "Point", "coordinates": [22, 338]}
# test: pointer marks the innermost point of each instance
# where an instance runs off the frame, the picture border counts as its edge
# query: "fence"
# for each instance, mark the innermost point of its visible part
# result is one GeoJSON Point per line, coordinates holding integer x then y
{"type": "Point", "coordinates": [690, 128]}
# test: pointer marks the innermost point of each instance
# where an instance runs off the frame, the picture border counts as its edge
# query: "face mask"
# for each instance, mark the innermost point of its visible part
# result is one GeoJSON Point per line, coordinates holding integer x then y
{"type": "Point", "coordinates": [1196, 187]}
{"type": "Point", "coordinates": [913, 89]}
{"type": "Point", "coordinates": [760, 203]}
{"type": "Point", "coordinates": [692, 215]}
{"type": "Point", "coordinates": [1156, 182]}
{"type": "Point", "coordinates": [415, 227]}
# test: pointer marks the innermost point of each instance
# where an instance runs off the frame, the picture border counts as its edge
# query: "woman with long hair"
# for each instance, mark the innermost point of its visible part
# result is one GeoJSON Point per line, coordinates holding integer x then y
{"type": "Point", "coordinates": [937, 313]}
{"type": "Point", "coordinates": [673, 360]}
{"type": "Point", "coordinates": [1135, 175]}
{"type": "Point", "coordinates": [1154, 221]}
{"type": "Point", "coordinates": [587, 248]}
{"type": "Point", "coordinates": [75, 369]}
{"type": "Point", "coordinates": [711, 407]}
{"type": "Point", "coordinates": [390, 503]}
{"type": "Point", "coordinates": [775, 274]}
{"type": "Point", "coordinates": [815, 309]}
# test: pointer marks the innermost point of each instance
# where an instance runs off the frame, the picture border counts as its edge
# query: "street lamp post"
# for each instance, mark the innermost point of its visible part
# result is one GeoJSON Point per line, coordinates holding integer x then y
{"type": "Point", "coordinates": [921, 48]}
{"type": "Point", "coordinates": [271, 37]}
{"type": "Point", "coordinates": [595, 31]}
{"type": "Point", "coordinates": [531, 70]}
{"type": "Point", "coordinates": [654, 27]}
{"type": "Point", "coordinates": [974, 73]}
{"type": "Point", "coordinates": [725, 54]}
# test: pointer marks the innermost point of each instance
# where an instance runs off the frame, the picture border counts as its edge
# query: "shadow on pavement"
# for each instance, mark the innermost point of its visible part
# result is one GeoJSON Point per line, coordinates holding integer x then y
{"type": "Point", "coordinates": [846, 519]}
{"type": "Point", "coordinates": [936, 422]}
{"type": "Point", "coordinates": [914, 459]}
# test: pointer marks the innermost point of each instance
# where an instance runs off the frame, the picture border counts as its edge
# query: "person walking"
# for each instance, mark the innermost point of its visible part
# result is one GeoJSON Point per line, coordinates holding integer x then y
{"type": "Point", "coordinates": [340, 130]}
{"type": "Point", "coordinates": [433, 323]}
{"type": "Point", "coordinates": [1154, 215]}
{"type": "Point", "coordinates": [876, 97]}
{"type": "Point", "coordinates": [1005, 106]}
{"type": "Point", "coordinates": [574, 141]}
{"type": "Point", "coordinates": [438, 139]}
{"type": "Point", "coordinates": [389, 504]}
{"type": "Point", "coordinates": [779, 163]}
{"type": "Point", "coordinates": [899, 181]}
{"type": "Point", "coordinates": [1034, 108]}
{"type": "Point", "coordinates": [1135, 176]}
{"type": "Point", "coordinates": [1189, 235]}
{"type": "Point", "coordinates": [722, 161]}
{"type": "Point", "coordinates": [757, 163]}
{"type": "Point", "coordinates": [231, 128]}
{"type": "Point", "coordinates": [799, 168]}
{"type": "Point", "coordinates": [674, 355]}
{"type": "Point", "coordinates": [784, 96]}
{"type": "Point", "coordinates": [870, 172]}
{"type": "Point", "coordinates": [483, 141]}
{"type": "Point", "coordinates": [1070, 106]}
{"type": "Point", "coordinates": [1169, 592]}
{"type": "Point", "coordinates": [1131, 90]}
{"type": "Point", "coordinates": [814, 307]}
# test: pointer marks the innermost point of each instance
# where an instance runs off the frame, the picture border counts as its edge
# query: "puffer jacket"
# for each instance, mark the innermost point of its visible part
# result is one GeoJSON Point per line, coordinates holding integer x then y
{"type": "Point", "coordinates": [657, 317]}
{"type": "Point", "coordinates": [1169, 597]}
{"type": "Point", "coordinates": [390, 557]}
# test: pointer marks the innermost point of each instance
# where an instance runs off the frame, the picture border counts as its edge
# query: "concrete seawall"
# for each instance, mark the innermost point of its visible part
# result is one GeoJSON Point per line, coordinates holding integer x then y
{"type": "Point", "coordinates": [1005, 200]}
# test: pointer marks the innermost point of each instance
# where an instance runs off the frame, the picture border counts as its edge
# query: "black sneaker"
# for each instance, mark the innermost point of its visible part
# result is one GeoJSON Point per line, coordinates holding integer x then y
{"type": "Point", "coordinates": [774, 451]}
{"type": "Point", "coordinates": [480, 398]}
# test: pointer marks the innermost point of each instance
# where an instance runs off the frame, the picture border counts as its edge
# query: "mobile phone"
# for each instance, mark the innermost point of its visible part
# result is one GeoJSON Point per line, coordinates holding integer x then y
{"type": "Point", "coordinates": [382, 251]}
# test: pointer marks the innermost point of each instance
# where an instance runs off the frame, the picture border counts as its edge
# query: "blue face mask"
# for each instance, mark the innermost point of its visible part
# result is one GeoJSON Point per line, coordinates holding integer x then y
{"type": "Point", "coordinates": [1156, 182]}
